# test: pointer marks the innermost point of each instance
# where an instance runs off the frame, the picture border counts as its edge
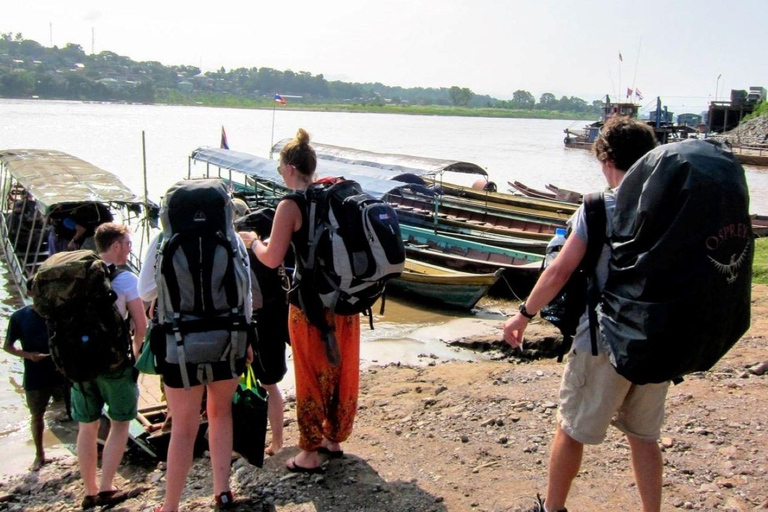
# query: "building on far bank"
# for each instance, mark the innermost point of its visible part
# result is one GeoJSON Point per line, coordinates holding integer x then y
{"type": "Point", "coordinates": [692, 120]}
{"type": "Point", "coordinates": [724, 116]}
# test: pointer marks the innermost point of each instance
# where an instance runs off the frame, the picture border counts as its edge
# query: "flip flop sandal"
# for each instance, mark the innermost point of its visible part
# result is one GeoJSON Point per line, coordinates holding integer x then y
{"type": "Point", "coordinates": [295, 468]}
{"type": "Point", "coordinates": [333, 454]}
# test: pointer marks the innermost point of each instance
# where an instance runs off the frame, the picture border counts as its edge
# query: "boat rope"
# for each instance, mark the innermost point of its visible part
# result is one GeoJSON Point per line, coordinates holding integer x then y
{"type": "Point", "coordinates": [510, 288]}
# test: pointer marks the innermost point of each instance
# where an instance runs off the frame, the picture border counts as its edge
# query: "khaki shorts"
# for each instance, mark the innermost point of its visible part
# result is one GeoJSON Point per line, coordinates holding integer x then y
{"type": "Point", "coordinates": [593, 396]}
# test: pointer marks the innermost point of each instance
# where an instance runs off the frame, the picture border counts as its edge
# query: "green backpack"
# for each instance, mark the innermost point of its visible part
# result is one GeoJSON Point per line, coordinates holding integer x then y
{"type": "Point", "coordinates": [88, 336]}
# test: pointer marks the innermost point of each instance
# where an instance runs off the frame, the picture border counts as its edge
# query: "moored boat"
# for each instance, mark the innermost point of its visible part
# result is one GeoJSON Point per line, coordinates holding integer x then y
{"type": "Point", "coordinates": [441, 285]}
{"type": "Point", "coordinates": [759, 225]}
{"type": "Point", "coordinates": [415, 210]}
{"type": "Point", "coordinates": [41, 187]}
{"type": "Point", "coordinates": [520, 269]}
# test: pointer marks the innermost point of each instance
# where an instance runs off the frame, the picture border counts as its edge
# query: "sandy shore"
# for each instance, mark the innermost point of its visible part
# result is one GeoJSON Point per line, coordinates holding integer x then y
{"type": "Point", "coordinates": [442, 435]}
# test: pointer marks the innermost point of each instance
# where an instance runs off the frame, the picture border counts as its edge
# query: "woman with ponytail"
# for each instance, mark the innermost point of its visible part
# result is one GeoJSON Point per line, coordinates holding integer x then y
{"type": "Point", "coordinates": [326, 395]}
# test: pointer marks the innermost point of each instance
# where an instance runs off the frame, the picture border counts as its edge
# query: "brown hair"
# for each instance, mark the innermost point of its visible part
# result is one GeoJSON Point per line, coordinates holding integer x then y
{"type": "Point", "coordinates": [300, 154]}
{"type": "Point", "coordinates": [623, 141]}
{"type": "Point", "coordinates": [107, 234]}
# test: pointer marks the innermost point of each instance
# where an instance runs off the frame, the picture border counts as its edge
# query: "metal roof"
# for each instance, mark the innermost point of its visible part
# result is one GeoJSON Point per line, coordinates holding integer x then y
{"type": "Point", "coordinates": [265, 169]}
{"type": "Point", "coordinates": [54, 177]}
{"type": "Point", "coordinates": [394, 164]}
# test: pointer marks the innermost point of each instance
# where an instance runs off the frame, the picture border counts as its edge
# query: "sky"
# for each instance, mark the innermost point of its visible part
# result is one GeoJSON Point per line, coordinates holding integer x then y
{"type": "Point", "coordinates": [675, 49]}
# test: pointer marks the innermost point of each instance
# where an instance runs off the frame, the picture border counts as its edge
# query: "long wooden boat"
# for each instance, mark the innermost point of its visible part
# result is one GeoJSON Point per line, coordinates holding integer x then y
{"type": "Point", "coordinates": [759, 225]}
{"type": "Point", "coordinates": [547, 205]}
{"type": "Point", "coordinates": [412, 210]}
{"type": "Point", "coordinates": [518, 212]}
{"type": "Point", "coordinates": [751, 155]}
{"type": "Point", "coordinates": [424, 281]}
{"type": "Point", "coordinates": [40, 186]}
{"type": "Point", "coordinates": [563, 194]}
{"type": "Point", "coordinates": [529, 191]}
{"type": "Point", "coordinates": [520, 269]}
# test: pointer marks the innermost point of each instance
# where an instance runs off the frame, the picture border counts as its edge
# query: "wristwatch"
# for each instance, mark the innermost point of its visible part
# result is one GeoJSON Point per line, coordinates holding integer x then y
{"type": "Point", "coordinates": [525, 312]}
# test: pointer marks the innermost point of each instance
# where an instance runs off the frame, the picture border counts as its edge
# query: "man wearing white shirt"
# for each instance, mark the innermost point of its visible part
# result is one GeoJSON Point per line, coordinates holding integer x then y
{"type": "Point", "coordinates": [117, 389]}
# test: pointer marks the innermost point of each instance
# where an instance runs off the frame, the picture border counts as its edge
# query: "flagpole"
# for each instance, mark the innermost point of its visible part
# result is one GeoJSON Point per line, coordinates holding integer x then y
{"type": "Point", "coordinates": [637, 61]}
{"type": "Point", "coordinates": [272, 138]}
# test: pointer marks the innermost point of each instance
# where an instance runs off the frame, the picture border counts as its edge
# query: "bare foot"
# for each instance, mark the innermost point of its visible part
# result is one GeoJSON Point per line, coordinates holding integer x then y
{"type": "Point", "coordinates": [273, 448]}
{"type": "Point", "coordinates": [38, 463]}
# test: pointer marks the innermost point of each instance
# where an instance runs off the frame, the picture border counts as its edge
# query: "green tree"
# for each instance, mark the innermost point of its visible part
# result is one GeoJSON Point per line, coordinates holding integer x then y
{"type": "Point", "coordinates": [548, 101]}
{"type": "Point", "coordinates": [460, 96]}
{"type": "Point", "coordinates": [523, 100]}
{"type": "Point", "coordinates": [17, 84]}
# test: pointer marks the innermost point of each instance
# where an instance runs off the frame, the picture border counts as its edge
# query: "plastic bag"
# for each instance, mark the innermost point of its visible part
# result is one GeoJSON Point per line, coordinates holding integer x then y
{"type": "Point", "coordinates": [249, 419]}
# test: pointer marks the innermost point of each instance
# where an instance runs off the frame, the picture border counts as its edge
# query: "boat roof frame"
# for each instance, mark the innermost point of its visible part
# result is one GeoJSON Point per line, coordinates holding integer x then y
{"type": "Point", "coordinates": [54, 177]}
{"type": "Point", "coordinates": [392, 165]}
{"type": "Point", "coordinates": [265, 170]}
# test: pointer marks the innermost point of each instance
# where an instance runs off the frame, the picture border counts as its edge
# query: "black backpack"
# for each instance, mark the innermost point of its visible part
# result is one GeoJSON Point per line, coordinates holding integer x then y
{"type": "Point", "coordinates": [679, 285]}
{"type": "Point", "coordinates": [88, 336]}
{"type": "Point", "coordinates": [580, 291]}
{"type": "Point", "coordinates": [202, 276]}
{"type": "Point", "coordinates": [354, 248]}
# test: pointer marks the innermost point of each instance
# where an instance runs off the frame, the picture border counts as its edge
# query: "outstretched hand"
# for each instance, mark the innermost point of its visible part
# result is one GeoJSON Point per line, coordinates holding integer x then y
{"type": "Point", "coordinates": [514, 329]}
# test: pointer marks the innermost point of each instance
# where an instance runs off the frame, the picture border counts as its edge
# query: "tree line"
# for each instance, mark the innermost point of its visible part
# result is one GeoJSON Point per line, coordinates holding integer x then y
{"type": "Point", "coordinates": [28, 69]}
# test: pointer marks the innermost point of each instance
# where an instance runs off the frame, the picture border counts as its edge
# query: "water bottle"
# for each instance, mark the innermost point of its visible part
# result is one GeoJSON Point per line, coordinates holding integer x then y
{"type": "Point", "coordinates": [554, 246]}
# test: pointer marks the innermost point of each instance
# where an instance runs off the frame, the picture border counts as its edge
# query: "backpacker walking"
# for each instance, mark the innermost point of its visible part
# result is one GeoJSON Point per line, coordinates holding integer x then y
{"type": "Point", "coordinates": [673, 286]}
{"type": "Point", "coordinates": [587, 410]}
{"type": "Point", "coordinates": [326, 393]}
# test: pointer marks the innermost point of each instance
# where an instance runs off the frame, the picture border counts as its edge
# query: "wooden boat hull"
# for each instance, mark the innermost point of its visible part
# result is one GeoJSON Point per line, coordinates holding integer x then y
{"type": "Point", "coordinates": [530, 192]}
{"type": "Point", "coordinates": [423, 210]}
{"type": "Point", "coordinates": [507, 199]}
{"type": "Point", "coordinates": [759, 225]}
{"type": "Point", "coordinates": [442, 286]}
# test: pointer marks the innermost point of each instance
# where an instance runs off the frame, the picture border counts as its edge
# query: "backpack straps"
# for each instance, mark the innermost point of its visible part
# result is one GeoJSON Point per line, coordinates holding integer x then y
{"type": "Point", "coordinates": [594, 210]}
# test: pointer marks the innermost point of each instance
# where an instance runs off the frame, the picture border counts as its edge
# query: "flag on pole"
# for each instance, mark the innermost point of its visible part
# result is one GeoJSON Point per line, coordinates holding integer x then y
{"type": "Point", "coordinates": [629, 92]}
{"type": "Point", "coordinates": [638, 94]}
{"type": "Point", "coordinates": [620, 57]}
{"type": "Point", "coordinates": [224, 143]}
{"type": "Point", "coordinates": [279, 99]}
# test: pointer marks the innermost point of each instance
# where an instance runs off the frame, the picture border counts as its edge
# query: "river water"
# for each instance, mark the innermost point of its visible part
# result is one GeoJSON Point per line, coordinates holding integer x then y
{"type": "Point", "coordinates": [110, 136]}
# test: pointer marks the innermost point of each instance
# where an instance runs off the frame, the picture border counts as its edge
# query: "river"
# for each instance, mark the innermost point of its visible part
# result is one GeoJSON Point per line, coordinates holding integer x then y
{"type": "Point", "coordinates": [110, 136]}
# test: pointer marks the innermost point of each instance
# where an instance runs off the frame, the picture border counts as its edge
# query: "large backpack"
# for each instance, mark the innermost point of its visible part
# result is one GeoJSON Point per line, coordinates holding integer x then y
{"type": "Point", "coordinates": [581, 290]}
{"type": "Point", "coordinates": [355, 247]}
{"type": "Point", "coordinates": [202, 276]}
{"type": "Point", "coordinates": [678, 290]}
{"type": "Point", "coordinates": [88, 336]}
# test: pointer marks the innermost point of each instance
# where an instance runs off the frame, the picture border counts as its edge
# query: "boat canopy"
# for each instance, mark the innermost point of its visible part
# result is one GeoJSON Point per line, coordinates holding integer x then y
{"type": "Point", "coordinates": [391, 164]}
{"type": "Point", "coordinates": [53, 177]}
{"type": "Point", "coordinates": [265, 169]}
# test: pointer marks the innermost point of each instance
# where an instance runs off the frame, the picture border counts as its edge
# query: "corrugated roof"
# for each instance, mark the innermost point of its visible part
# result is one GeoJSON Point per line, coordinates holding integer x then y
{"type": "Point", "coordinates": [54, 177]}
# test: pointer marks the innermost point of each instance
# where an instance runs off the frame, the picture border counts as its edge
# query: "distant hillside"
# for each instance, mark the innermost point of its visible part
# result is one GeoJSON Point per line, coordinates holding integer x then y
{"type": "Point", "coordinates": [28, 69]}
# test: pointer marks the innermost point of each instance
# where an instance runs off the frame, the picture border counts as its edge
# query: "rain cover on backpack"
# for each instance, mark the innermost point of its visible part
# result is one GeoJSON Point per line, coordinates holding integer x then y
{"type": "Point", "coordinates": [202, 275]}
{"type": "Point", "coordinates": [88, 336]}
{"type": "Point", "coordinates": [678, 291]}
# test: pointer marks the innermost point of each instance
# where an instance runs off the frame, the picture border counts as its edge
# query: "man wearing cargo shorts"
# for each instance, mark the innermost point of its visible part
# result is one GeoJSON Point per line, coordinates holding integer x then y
{"type": "Point", "coordinates": [592, 394]}
{"type": "Point", "coordinates": [117, 389]}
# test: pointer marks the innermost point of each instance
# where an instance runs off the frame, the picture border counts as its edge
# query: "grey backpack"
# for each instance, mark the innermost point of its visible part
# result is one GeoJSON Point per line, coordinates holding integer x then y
{"type": "Point", "coordinates": [203, 279]}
